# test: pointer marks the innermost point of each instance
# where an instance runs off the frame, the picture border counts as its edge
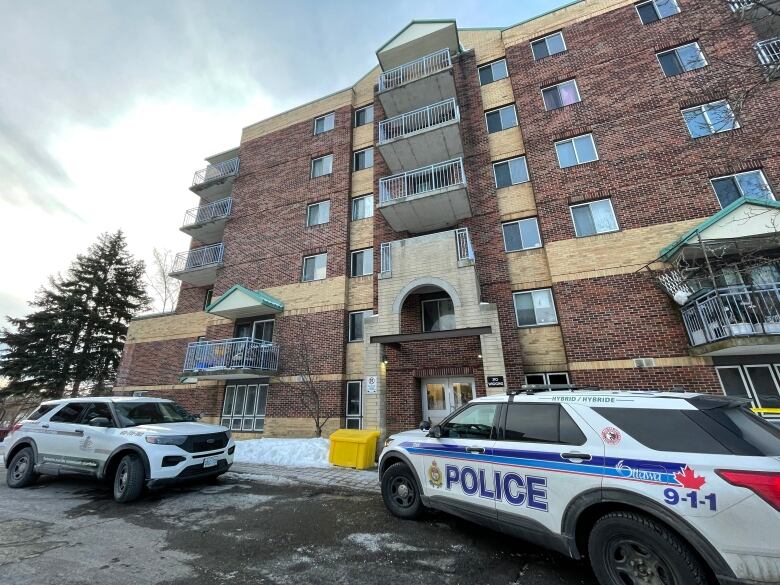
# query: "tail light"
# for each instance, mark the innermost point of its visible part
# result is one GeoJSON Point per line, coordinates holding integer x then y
{"type": "Point", "coordinates": [765, 484]}
{"type": "Point", "coordinates": [16, 427]}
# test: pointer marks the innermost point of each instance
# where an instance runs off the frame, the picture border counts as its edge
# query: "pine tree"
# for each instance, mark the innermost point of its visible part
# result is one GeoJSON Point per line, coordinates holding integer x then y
{"type": "Point", "coordinates": [75, 337]}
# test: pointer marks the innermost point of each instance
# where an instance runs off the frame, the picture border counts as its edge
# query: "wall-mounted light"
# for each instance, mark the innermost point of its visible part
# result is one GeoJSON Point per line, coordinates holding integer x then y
{"type": "Point", "coordinates": [479, 356]}
{"type": "Point", "coordinates": [383, 354]}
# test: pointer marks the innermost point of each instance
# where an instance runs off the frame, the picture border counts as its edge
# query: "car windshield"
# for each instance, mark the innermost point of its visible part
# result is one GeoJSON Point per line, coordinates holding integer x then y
{"type": "Point", "coordinates": [148, 413]}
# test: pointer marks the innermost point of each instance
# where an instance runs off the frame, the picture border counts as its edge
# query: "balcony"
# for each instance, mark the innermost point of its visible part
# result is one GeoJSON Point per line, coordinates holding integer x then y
{"type": "Point", "coordinates": [207, 223]}
{"type": "Point", "coordinates": [769, 56]}
{"type": "Point", "coordinates": [425, 199]}
{"type": "Point", "coordinates": [735, 320]}
{"type": "Point", "coordinates": [198, 266]}
{"type": "Point", "coordinates": [427, 80]}
{"type": "Point", "coordinates": [762, 16]}
{"type": "Point", "coordinates": [462, 253]}
{"type": "Point", "coordinates": [421, 137]}
{"type": "Point", "coordinates": [216, 180]}
{"type": "Point", "coordinates": [224, 359]}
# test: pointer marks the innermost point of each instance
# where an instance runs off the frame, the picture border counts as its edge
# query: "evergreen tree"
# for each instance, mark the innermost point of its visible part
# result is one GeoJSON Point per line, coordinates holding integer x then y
{"type": "Point", "coordinates": [74, 338]}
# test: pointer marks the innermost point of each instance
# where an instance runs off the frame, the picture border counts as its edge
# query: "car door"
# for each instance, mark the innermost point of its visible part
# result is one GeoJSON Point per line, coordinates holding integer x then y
{"type": "Point", "coordinates": [98, 440]}
{"type": "Point", "coordinates": [546, 455]}
{"type": "Point", "coordinates": [60, 442]}
{"type": "Point", "coordinates": [455, 466]}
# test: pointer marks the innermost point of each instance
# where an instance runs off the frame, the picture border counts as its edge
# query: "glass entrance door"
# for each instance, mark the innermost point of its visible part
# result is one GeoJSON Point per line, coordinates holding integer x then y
{"type": "Point", "coordinates": [440, 396]}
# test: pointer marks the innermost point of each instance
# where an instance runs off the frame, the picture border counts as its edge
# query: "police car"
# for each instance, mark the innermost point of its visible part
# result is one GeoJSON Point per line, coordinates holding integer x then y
{"type": "Point", "coordinates": [652, 487]}
{"type": "Point", "coordinates": [132, 442]}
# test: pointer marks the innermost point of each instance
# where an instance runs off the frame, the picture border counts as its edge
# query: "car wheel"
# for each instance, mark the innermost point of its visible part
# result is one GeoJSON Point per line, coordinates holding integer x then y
{"type": "Point", "coordinates": [400, 492]}
{"type": "Point", "coordinates": [129, 479]}
{"type": "Point", "coordinates": [632, 549]}
{"type": "Point", "coordinates": [21, 470]}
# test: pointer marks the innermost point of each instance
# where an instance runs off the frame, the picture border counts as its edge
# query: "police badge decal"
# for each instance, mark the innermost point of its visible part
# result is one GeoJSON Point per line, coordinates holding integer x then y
{"type": "Point", "coordinates": [434, 475]}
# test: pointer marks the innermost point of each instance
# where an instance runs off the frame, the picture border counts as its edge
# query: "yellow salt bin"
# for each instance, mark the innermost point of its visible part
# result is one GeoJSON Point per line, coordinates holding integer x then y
{"type": "Point", "coordinates": [353, 448]}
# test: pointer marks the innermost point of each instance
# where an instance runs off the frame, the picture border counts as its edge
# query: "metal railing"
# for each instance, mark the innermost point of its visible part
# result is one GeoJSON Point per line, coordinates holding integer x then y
{"type": "Point", "coordinates": [198, 258]}
{"type": "Point", "coordinates": [738, 310]}
{"type": "Point", "coordinates": [768, 51]}
{"type": "Point", "coordinates": [463, 244]}
{"type": "Point", "coordinates": [229, 354]}
{"type": "Point", "coordinates": [416, 69]}
{"type": "Point", "coordinates": [385, 258]}
{"type": "Point", "coordinates": [417, 120]}
{"type": "Point", "coordinates": [463, 249]}
{"type": "Point", "coordinates": [217, 171]}
{"type": "Point", "coordinates": [737, 5]}
{"type": "Point", "coordinates": [210, 212]}
{"type": "Point", "coordinates": [438, 176]}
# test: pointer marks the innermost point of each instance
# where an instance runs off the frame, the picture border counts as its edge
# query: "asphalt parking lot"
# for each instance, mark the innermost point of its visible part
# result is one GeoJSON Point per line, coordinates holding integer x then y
{"type": "Point", "coordinates": [275, 531]}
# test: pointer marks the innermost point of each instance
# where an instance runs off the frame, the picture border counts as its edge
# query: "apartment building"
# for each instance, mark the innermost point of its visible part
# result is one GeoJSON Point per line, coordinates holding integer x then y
{"type": "Point", "coordinates": [584, 197]}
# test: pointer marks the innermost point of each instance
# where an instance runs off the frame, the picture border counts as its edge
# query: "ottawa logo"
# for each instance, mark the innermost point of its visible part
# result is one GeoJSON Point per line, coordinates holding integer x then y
{"type": "Point", "coordinates": [435, 477]}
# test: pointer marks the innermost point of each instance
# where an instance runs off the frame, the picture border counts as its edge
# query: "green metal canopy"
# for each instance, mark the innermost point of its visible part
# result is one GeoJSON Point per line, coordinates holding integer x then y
{"type": "Point", "coordinates": [239, 301]}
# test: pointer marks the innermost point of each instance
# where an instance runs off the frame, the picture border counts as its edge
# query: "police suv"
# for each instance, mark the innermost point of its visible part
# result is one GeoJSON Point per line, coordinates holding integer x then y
{"type": "Point", "coordinates": [132, 442]}
{"type": "Point", "coordinates": [653, 487]}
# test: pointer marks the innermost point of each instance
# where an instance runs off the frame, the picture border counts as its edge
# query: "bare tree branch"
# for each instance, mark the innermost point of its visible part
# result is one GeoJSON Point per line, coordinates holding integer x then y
{"type": "Point", "coordinates": [165, 288]}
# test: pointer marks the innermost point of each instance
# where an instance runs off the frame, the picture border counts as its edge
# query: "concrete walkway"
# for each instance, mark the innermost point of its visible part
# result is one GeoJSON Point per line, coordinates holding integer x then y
{"type": "Point", "coordinates": [364, 481]}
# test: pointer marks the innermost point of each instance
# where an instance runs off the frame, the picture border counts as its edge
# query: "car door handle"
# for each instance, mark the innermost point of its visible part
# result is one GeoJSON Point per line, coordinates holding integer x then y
{"type": "Point", "coordinates": [475, 449]}
{"type": "Point", "coordinates": [79, 431]}
{"type": "Point", "coordinates": [44, 426]}
{"type": "Point", "coordinates": [577, 456]}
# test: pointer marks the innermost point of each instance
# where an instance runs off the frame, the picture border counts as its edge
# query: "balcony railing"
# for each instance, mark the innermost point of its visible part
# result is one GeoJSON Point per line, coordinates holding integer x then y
{"type": "Point", "coordinates": [385, 258]}
{"type": "Point", "coordinates": [769, 51]}
{"type": "Point", "coordinates": [418, 120]}
{"type": "Point", "coordinates": [740, 310]}
{"type": "Point", "coordinates": [463, 249]}
{"type": "Point", "coordinates": [210, 212]}
{"type": "Point", "coordinates": [463, 244]}
{"type": "Point", "coordinates": [737, 5]}
{"type": "Point", "coordinates": [198, 258]}
{"type": "Point", "coordinates": [217, 171]}
{"type": "Point", "coordinates": [439, 176]}
{"type": "Point", "coordinates": [416, 69]}
{"type": "Point", "coordinates": [230, 354]}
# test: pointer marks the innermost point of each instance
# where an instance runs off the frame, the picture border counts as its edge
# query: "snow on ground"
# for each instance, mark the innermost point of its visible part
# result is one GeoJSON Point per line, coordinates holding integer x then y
{"type": "Point", "coordinates": [284, 452]}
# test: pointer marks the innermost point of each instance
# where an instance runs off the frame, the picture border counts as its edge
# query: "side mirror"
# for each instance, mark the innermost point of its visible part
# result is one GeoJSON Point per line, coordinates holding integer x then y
{"type": "Point", "coordinates": [100, 421]}
{"type": "Point", "coordinates": [436, 432]}
{"type": "Point", "coordinates": [425, 425]}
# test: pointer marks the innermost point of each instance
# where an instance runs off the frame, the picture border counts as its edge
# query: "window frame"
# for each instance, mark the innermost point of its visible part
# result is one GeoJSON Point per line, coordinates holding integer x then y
{"type": "Point", "coordinates": [303, 268]}
{"type": "Point", "coordinates": [324, 117]}
{"type": "Point", "coordinates": [742, 195]}
{"type": "Point", "coordinates": [679, 60]}
{"type": "Point", "coordinates": [367, 122]}
{"type": "Point", "coordinates": [498, 110]}
{"type": "Point", "coordinates": [436, 300]}
{"type": "Point", "coordinates": [547, 376]}
{"type": "Point", "coordinates": [518, 222]}
{"type": "Point", "coordinates": [363, 263]}
{"type": "Point", "coordinates": [574, 146]}
{"type": "Point", "coordinates": [356, 153]}
{"type": "Point", "coordinates": [370, 196]}
{"type": "Point", "coordinates": [556, 86]}
{"type": "Point", "coordinates": [207, 298]}
{"type": "Point", "coordinates": [350, 337]}
{"type": "Point", "coordinates": [705, 110]}
{"type": "Point", "coordinates": [491, 65]}
{"type": "Point", "coordinates": [544, 38]}
{"type": "Point", "coordinates": [589, 203]}
{"type": "Point", "coordinates": [227, 420]}
{"type": "Point", "coordinates": [506, 162]}
{"type": "Point", "coordinates": [537, 324]}
{"type": "Point", "coordinates": [657, 13]}
{"type": "Point", "coordinates": [358, 417]}
{"type": "Point", "coordinates": [314, 160]}
{"type": "Point", "coordinates": [308, 213]}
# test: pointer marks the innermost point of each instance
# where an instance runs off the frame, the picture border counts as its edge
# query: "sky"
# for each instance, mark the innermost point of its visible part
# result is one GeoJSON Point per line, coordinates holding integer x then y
{"type": "Point", "coordinates": [108, 108]}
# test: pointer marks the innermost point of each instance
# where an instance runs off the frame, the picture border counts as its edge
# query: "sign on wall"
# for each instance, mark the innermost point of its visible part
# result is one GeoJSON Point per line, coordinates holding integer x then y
{"type": "Point", "coordinates": [372, 383]}
{"type": "Point", "coordinates": [495, 381]}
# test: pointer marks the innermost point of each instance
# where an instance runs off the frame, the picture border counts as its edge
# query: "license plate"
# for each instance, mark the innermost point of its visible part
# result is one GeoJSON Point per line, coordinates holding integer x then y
{"type": "Point", "coordinates": [209, 462]}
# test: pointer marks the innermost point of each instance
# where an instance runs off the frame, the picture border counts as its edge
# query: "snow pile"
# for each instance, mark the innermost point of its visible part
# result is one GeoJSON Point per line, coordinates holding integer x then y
{"type": "Point", "coordinates": [284, 452]}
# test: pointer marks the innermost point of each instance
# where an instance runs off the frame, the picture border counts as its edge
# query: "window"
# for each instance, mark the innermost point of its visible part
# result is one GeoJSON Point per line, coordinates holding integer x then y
{"type": "Point", "coordinates": [545, 378]}
{"type": "Point", "coordinates": [521, 235]}
{"type": "Point", "coordinates": [244, 407]}
{"type": "Point", "coordinates": [362, 262]}
{"type": "Point", "coordinates": [510, 172]}
{"type": "Point", "coordinates": [562, 94]}
{"type": "Point", "coordinates": [355, 332]}
{"type": "Point", "coordinates": [475, 422]}
{"type": "Point", "coordinates": [438, 315]}
{"type": "Point", "coordinates": [656, 10]}
{"type": "Point", "coordinates": [710, 119]}
{"type": "Point", "coordinates": [315, 267]}
{"type": "Point", "coordinates": [541, 423]}
{"type": "Point", "coordinates": [97, 410]}
{"type": "Point", "coordinates": [324, 123]}
{"type": "Point", "coordinates": [70, 413]}
{"type": "Point", "coordinates": [493, 72]}
{"type": "Point", "coordinates": [354, 410]}
{"type": "Point", "coordinates": [362, 207]}
{"type": "Point", "coordinates": [207, 298]}
{"type": "Point", "coordinates": [363, 159]}
{"type": "Point", "coordinates": [682, 59]}
{"type": "Point", "coordinates": [40, 411]}
{"type": "Point", "coordinates": [318, 213]}
{"type": "Point", "coordinates": [364, 116]}
{"type": "Point", "coordinates": [322, 166]}
{"type": "Point", "coordinates": [534, 308]}
{"type": "Point", "coordinates": [576, 151]}
{"type": "Point", "coordinates": [501, 119]}
{"type": "Point", "coordinates": [549, 45]}
{"type": "Point", "coordinates": [750, 184]}
{"type": "Point", "coordinates": [132, 414]}
{"type": "Point", "coordinates": [596, 217]}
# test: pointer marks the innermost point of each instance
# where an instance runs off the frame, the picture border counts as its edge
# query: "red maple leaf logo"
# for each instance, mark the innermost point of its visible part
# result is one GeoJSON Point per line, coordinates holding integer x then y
{"type": "Point", "coordinates": [688, 478]}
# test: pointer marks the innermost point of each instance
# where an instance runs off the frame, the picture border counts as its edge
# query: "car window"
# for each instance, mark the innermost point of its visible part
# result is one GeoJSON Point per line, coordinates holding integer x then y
{"type": "Point", "coordinates": [744, 432]}
{"type": "Point", "coordinates": [97, 410]}
{"type": "Point", "coordinates": [70, 413]}
{"type": "Point", "coordinates": [541, 423]}
{"type": "Point", "coordinates": [40, 411]}
{"type": "Point", "coordinates": [145, 413]}
{"type": "Point", "coordinates": [475, 422]}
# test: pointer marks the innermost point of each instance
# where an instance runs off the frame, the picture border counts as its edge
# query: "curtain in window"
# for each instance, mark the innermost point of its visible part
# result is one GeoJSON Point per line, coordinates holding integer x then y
{"type": "Point", "coordinates": [545, 312]}
{"type": "Point", "coordinates": [603, 218]}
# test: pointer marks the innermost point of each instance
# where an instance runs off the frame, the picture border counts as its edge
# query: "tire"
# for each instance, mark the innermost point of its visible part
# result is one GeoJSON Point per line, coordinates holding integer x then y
{"type": "Point", "coordinates": [129, 479]}
{"type": "Point", "coordinates": [21, 469]}
{"type": "Point", "coordinates": [400, 492]}
{"type": "Point", "coordinates": [631, 549]}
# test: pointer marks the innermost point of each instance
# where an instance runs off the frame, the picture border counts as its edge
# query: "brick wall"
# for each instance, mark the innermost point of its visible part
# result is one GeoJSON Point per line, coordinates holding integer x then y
{"type": "Point", "coordinates": [690, 378]}
{"type": "Point", "coordinates": [153, 363]}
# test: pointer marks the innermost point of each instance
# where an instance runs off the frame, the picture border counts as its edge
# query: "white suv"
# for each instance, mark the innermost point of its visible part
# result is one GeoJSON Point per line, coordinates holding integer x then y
{"type": "Point", "coordinates": [654, 487]}
{"type": "Point", "coordinates": [133, 442]}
